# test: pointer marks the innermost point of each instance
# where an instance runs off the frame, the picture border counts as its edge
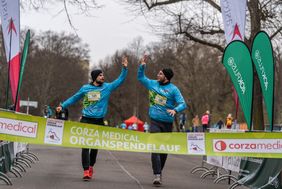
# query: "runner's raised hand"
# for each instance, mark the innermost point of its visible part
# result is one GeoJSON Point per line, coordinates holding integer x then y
{"type": "Point", "coordinates": [144, 60]}
{"type": "Point", "coordinates": [124, 61]}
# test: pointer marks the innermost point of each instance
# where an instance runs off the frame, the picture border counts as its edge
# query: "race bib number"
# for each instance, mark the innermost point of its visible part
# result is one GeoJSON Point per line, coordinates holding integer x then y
{"type": "Point", "coordinates": [161, 100]}
{"type": "Point", "coordinates": [94, 96]}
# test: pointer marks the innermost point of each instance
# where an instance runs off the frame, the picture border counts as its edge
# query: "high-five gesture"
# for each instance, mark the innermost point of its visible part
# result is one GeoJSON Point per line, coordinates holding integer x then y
{"type": "Point", "coordinates": [124, 61]}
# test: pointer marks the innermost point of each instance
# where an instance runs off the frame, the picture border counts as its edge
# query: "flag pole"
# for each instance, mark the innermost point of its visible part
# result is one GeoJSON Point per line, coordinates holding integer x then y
{"type": "Point", "coordinates": [9, 67]}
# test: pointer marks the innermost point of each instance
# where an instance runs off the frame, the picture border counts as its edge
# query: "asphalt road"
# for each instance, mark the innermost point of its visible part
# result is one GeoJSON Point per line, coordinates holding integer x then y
{"type": "Point", "coordinates": [61, 168]}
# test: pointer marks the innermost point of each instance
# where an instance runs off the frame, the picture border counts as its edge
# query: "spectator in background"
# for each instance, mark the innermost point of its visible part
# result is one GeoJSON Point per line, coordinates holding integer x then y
{"type": "Point", "coordinates": [229, 121]}
{"type": "Point", "coordinates": [146, 127]}
{"type": "Point", "coordinates": [134, 127]}
{"type": "Point", "coordinates": [220, 124]}
{"type": "Point", "coordinates": [47, 112]}
{"type": "Point", "coordinates": [205, 121]}
{"type": "Point", "coordinates": [196, 123]}
{"type": "Point", "coordinates": [11, 107]}
{"type": "Point", "coordinates": [130, 127]}
{"type": "Point", "coordinates": [123, 126]}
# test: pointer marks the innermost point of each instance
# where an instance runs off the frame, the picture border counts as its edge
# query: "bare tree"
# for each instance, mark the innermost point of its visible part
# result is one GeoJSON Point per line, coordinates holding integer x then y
{"type": "Point", "coordinates": [200, 21]}
{"type": "Point", "coordinates": [57, 66]}
{"type": "Point", "coordinates": [83, 7]}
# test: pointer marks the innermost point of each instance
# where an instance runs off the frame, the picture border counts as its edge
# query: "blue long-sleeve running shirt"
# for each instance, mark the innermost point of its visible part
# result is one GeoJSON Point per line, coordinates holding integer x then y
{"type": "Point", "coordinates": [162, 97]}
{"type": "Point", "coordinates": [95, 98]}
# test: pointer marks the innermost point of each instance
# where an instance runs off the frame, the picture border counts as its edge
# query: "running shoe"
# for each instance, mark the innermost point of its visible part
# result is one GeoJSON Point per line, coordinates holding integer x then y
{"type": "Point", "coordinates": [86, 175]}
{"type": "Point", "coordinates": [157, 180]}
{"type": "Point", "coordinates": [91, 171]}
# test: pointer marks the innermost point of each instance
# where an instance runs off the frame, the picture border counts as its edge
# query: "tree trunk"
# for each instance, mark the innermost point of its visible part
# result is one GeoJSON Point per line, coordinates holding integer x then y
{"type": "Point", "coordinates": [258, 121]}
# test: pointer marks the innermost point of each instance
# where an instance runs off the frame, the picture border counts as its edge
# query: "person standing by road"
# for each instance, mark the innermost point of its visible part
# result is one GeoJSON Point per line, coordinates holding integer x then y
{"type": "Point", "coordinates": [165, 101]}
{"type": "Point", "coordinates": [196, 123]}
{"type": "Point", "coordinates": [95, 104]}
{"type": "Point", "coordinates": [205, 121]}
{"type": "Point", "coordinates": [229, 121]}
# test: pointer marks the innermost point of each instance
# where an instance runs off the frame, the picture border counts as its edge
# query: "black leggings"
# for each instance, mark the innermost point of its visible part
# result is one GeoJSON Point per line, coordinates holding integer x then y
{"type": "Point", "coordinates": [89, 159]}
{"type": "Point", "coordinates": [158, 160]}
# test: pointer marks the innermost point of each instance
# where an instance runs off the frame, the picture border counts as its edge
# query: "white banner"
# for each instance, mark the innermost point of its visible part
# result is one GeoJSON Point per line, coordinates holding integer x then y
{"type": "Point", "coordinates": [196, 143]}
{"type": "Point", "coordinates": [247, 145]}
{"type": "Point", "coordinates": [10, 18]}
{"type": "Point", "coordinates": [54, 131]}
{"type": "Point", "coordinates": [18, 127]}
{"type": "Point", "coordinates": [234, 16]}
{"type": "Point", "coordinates": [231, 163]}
{"type": "Point", "coordinates": [215, 160]}
{"type": "Point", "coordinates": [19, 147]}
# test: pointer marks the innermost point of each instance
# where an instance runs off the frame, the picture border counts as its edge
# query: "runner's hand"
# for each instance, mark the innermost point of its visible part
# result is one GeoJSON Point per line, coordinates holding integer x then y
{"type": "Point", "coordinates": [124, 61]}
{"type": "Point", "coordinates": [171, 112]}
{"type": "Point", "coordinates": [59, 109]}
{"type": "Point", "coordinates": [144, 60]}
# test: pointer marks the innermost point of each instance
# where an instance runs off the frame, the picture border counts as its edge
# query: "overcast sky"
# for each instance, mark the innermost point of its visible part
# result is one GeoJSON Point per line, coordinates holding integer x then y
{"type": "Point", "coordinates": [107, 30]}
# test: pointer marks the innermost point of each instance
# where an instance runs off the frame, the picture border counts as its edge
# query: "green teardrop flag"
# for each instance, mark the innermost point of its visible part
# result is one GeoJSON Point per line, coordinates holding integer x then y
{"type": "Point", "coordinates": [262, 55]}
{"type": "Point", "coordinates": [24, 55]}
{"type": "Point", "coordinates": [238, 63]}
{"type": "Point", "coordinates": [23, 61]}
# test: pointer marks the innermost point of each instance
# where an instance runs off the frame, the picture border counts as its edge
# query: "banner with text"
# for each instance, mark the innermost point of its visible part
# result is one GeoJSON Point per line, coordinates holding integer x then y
{"type": "Point", "coordinates": [39, 130]}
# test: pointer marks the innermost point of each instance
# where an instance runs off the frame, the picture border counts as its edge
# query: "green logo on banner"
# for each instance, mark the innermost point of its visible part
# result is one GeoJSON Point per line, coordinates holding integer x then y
{"type": "Point", "coordinates": [237, 60]}
{"type": "Point", "coordinates": [263, 60]}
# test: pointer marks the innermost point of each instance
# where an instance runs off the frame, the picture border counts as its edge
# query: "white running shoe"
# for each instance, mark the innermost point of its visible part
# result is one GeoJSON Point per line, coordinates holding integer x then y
{"type": "Point", "coordinates": [157, 180]}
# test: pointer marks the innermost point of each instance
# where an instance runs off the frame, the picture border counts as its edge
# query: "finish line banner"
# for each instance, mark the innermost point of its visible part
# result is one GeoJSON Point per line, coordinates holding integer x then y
{"type": "Point", "coordinates": [38, 130]}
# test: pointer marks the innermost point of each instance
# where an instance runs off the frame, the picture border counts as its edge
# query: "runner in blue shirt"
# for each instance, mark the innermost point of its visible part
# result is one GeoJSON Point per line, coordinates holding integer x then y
{"type": "Point", "coordinates": [165, 101]}
{"type": "Point", "coordinates": [95, 97]}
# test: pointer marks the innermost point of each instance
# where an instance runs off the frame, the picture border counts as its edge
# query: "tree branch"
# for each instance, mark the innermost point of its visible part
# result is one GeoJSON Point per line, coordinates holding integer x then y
{"type": "Point", "coordinates": [167, 2]}
{"type": "Point", "coordinates": [197, 39]}
{"type": "Point", "coordinates": [160, 3]}
{"type": "Point", "coordinates": [275, 33]}
{"type": "Point", "coordinates": [213, 4]}
{"type": "Point", "coordinates": [211, 32]}
{"type": "Point", "coordinates": [68, 16]}
{"type": "Point", "coordinates": [201, 41]}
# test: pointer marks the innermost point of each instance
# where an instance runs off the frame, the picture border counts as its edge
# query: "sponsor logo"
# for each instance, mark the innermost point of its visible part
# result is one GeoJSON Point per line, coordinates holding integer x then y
{"type": "Point", "coordinates": [220, 145]}
{"type": "Point", "coordinates": [18, 127]}
{"type": "Point", "coordinates": [53, 136]}
{"type": "Point", "coordinates": [54, 131]}
{"type": "Point", "coordinates": [248, 145]}
{"type": "Point", "coordinates": [237, 74]}
{"type": "Point", "coordinates": [196, 148]}
{"type": "Point", "coordinates": [261, 68]}
{"type": "Point", "coordinates": [196, 143]}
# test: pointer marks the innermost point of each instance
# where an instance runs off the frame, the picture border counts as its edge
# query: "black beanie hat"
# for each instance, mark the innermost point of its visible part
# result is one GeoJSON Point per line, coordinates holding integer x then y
{"type": "Point", "coordinates": [168, 73]}
{"type": "Point", "coordinates": [95, 73]}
